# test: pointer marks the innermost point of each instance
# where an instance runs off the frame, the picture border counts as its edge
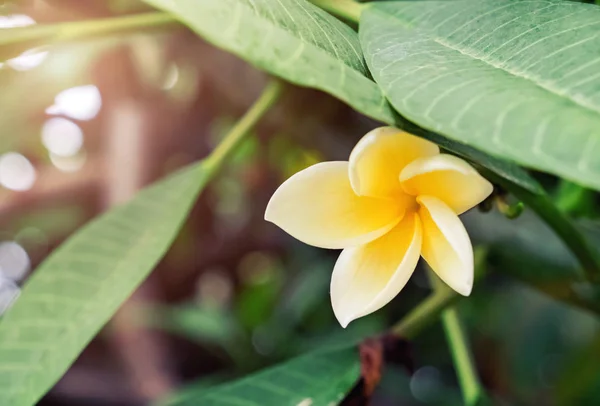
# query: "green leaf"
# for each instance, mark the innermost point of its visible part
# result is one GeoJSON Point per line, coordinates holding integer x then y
{"type": "Point", "coordinates": [204, 324]}
{"type": "Point", "coordinates": [301, 43]}
{"type": "Point", "coordinates": [527, 249]}
{"type": "Point", "coordinates": [292, 39]}
{"type": "Point", "coordinates": [319, 379]}
{"type": "Point", "coordinates": [517, 79]}
{"type": "Point", "coordinates": [78, 288]}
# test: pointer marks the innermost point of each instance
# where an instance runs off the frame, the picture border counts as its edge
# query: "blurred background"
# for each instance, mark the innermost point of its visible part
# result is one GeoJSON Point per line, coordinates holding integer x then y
{"type": "Point", "coordinates": [87, 124]}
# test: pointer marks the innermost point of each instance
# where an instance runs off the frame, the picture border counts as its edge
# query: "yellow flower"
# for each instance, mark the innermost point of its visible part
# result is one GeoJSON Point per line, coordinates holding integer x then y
{"type": "Point", "coordinates": [396, 199]}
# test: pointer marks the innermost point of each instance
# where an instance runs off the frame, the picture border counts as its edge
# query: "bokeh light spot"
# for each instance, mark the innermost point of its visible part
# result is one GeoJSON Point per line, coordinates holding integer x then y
{"type": "Point", "coordinates": [16, 172]}
{"type": "Point", "coordinates": [62, 137]}
{"type": "Point", "coordinates": [171, 77]}
{"type": "Point", "coordinates": [69, 163]}
{"type": "Point", "coordinates": [79, 103]}
{"type": "Point", "coordinates": [425, 384]}
{"type": "Point", "coordinates": [15, 20]}
{"type": "Point", "coordinates": [14, 261]}
{"type": "Point", "coordinates": [215, 288]}
{"type": "Point", "coordinates": [27, 60]}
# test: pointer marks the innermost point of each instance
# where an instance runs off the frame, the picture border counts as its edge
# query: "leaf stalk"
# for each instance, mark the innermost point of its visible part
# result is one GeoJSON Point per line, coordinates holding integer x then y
{"type": "Point", "coordinates": [347, 9]}
{"type": "Point", "coordinates": [263, 104]}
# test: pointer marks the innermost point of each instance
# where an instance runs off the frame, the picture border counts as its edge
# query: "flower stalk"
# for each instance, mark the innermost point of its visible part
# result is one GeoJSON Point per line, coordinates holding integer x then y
{"type": "Point", "coordinates": [459, 347]}
{"type": "Point", "coordinates": [427, 313]}
{"type": "Point", "coordinates": [462, 357]}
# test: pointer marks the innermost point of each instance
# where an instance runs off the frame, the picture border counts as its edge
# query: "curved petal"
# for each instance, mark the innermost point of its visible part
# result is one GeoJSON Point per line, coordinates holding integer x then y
{"type": "Point", "coordinates": [318, 207]}
{"type": "Point", "coordinates": [378, 158]}
{"type": "Point", "coordinates": [368, 277]}
{"type": "Point", "coordinates": [446, 244]}
{"type": "Point", "coordinates": [448, 178]}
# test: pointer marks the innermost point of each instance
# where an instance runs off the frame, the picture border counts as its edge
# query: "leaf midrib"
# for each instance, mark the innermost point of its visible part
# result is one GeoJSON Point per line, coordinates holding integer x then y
{"type": "Point", "coordinates": [520, 75]}
{"type": "Point", "coordinates": [278, 25]}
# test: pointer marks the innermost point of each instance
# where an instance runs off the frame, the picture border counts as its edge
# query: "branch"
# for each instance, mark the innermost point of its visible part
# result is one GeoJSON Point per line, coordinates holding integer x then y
{"type": "Point", "coordinates": [19, 39]}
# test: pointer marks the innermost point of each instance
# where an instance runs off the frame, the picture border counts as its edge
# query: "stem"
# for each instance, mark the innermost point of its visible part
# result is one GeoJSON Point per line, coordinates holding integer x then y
{"type": "Point", "coordinates": [425, 313]}
{"type": "Point", "coordinates": [463, 359]}
{"type": "Point", "coordinates": [458, 343]}
{"type": "Point", "coordinates": [459, 347]}
{"type": "Point", "coordinates": [81, 29]}
{"type": "Point", "coordinates": [559, 222]}
{"type": "Point", "coordinates": [266, 100]}
{"type": "Point", "coordinates": [346, 9]}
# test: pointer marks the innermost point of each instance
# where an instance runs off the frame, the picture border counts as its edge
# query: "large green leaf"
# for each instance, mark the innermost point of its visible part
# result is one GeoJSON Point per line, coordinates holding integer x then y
{"type": "Point", "coordinates": [306, 46]}
{"type": "Point", "coordinates": [78, 288]}
{"type": "Point", "coordinates": [319, 379]}
{"type": "Point", "coordinates": [292, 39]}
{"type": "Point", "coordinates": [517, 79]}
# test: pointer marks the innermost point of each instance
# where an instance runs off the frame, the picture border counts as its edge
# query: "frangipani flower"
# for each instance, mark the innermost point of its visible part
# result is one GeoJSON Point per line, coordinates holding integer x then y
{"type": "Point", "coordinates": [396, 199]}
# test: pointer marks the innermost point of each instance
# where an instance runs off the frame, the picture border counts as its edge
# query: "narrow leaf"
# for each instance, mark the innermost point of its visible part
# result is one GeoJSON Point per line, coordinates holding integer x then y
{"type": "Point", "coordinates": [516, 79]}
{"type": "Point", "coordinates": [319, 379]}
{"type": "Point", "coordinates": [79, 287]}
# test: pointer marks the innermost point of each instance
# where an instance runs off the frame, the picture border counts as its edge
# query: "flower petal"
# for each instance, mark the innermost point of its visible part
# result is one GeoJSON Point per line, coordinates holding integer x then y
{"type": "Point", "coordinates": [318, 207]}
{"type": "Point", "coordinates": [378, 158]}
{"type": "Point", "coordinates": [446, 244]}
{"type": "Point", "coordinates": [368, 277]}
{"type": "Point", "coordinates": [448, 178]}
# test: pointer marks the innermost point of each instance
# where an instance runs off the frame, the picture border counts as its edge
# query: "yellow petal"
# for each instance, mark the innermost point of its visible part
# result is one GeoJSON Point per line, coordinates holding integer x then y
{"type": "Point", "coordinates": [446, 244]}
{"type": "Point", "coordinates": [448, 178]}
{"type": "Point", "coordinates": [318, 207]}
{"type": "Point", "coordinates": [378, 158]}
{"type": "Point", "coordinates": [368, 277]}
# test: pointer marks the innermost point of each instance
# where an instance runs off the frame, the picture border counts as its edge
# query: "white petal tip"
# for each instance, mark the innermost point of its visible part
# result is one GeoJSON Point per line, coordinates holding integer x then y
{"type": "Point", "coordinates": [344, 321]}
{"type": "Point", "coordinates": [464, 290]}
{"type": "Point", "coordinates": [266, 217]}
{"type": "Point", "coordinates": [269, 211]}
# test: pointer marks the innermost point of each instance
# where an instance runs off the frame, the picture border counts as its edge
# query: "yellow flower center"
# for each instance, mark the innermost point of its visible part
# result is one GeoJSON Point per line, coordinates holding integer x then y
{"type": "Point", "coordinates": [407, 202]}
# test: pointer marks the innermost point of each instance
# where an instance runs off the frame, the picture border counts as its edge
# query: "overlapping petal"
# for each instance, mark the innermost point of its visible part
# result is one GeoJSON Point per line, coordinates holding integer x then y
{"type": "Point", "coordinates": [379, 157]}
{"type": "Point", "coordinates": [367, 277]}
{"type": "Point", "coordinates": [448, 178]}
{"type": "Point", "coordinates": [446, 244]}
{"type": "Point", "coordinates": [318, 207]}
